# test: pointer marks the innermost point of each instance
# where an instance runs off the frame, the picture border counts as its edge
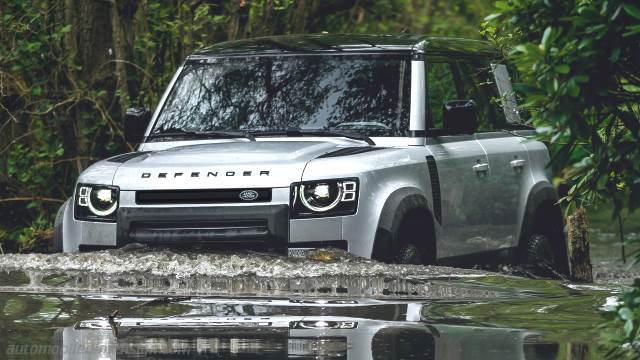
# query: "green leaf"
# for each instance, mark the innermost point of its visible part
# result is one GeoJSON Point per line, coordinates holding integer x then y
{"type": "Point", "coordinates": [573, 89]}
{"type": "Point", "coordinates": [492, 16]}
{"type": "Point", "coordinates": [632, 10]}
{"type": "Point", "coordinates": [628, 327]}
{"type": "Point", "coordinates": [625, 314]}
{"type": "Point", "coordinates": [546, 37]}
{"type": "Point", "coordinates": [632, 30]}
{"type": "Point", "coordinates": [502, 5]}
{"type": "Point", "coordinates": [562, 69]}
{"type": "Point", "coordinates": [580, 78]}
{"type": "Point", "coordinates": [615, 55]}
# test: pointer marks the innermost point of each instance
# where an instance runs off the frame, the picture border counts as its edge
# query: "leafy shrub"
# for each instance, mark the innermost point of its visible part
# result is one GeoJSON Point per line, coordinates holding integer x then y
{"type": "Point", "coordinates": [578, 62]}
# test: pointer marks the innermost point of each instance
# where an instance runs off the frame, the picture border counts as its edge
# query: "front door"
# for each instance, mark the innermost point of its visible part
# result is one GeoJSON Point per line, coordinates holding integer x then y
{"type": "Point", "coordinates": [458, 168]}
{"type": "Point", "coordinates": [508, 170]}
{"type": "Point", "coordinates": [506, 152]}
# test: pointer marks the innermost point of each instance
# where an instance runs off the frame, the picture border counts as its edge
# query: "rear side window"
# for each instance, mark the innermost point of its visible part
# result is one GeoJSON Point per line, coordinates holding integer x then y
{"type": "Point", "coordinates": [441, 87]}
{"type": "Point", "coordinates": [463, 80]}
{"type": "Point", "coordinates": [480, 86]}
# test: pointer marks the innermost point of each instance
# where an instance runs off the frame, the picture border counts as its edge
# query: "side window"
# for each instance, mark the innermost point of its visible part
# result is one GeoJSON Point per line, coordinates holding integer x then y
{"type": "Point", "coordinates": [507, 95]}
{"type": "Point", "coordinates": [441, 87]}
{"type": "Point", "coordinates": [479, 86]}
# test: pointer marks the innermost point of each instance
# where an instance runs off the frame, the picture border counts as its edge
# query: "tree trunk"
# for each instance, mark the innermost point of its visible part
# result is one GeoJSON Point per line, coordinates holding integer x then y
{"type": "Point", "coordinates": [267, 26]}
{"type": "Point", "coordinates": [120, 55]}
{"type": "Point", "coordinates": [300, 17]}
{"type": "Point", "coordinates": [579, 257]}
{"type": "Point", "coordinates": [239, 19]}
{"type": "Point", "coordinates": [578, 351]}
{"type": "Point", "coordinates": [89, 45]}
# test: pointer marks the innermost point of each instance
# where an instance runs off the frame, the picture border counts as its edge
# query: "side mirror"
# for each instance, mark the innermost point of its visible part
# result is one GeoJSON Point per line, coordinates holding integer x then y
{"type": "Point", "coordinates": [136, 121]}
{"type": "Point", "coordinates": [460, 117]}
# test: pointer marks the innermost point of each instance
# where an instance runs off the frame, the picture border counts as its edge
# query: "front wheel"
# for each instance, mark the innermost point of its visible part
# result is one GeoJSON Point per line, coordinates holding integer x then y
{"type": "Point", "coordinates": [409, 254]}
{"type": "Point", "coordinates": [413, 240]}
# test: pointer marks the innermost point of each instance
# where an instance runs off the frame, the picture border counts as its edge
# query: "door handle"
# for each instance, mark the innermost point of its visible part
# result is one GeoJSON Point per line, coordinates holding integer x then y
{"type": "Point", "coordinates": [517, 163]}
{"type": "Point", "coordinates": [480, 168]}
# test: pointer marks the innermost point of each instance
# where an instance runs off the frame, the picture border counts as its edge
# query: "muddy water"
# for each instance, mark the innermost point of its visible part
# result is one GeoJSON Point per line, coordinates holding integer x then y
{"type": "Point", "coordinates": [247, 305]}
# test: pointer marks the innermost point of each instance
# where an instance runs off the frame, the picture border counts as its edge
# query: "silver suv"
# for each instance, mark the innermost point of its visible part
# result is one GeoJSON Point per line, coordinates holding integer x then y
{"type": "Point", "coordinates": [400, 148]}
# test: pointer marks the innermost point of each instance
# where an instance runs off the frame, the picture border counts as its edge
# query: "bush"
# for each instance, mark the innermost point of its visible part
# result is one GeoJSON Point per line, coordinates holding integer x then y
{"type": "Point", "coordinates": [578, 63]}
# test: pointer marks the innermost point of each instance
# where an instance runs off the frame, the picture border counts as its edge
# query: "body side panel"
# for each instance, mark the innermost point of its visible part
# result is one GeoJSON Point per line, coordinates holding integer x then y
{"type": "Point", "coordinates": [509, 177]}
{"type": "Point", "coordinates": [380, 173]}
{"type": "Point", "coordinates": [462, 193]}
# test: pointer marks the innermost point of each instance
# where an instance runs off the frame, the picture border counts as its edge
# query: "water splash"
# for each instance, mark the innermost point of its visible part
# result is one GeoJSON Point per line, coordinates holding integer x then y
{"type": "Point", "coordinates": [187, 264]}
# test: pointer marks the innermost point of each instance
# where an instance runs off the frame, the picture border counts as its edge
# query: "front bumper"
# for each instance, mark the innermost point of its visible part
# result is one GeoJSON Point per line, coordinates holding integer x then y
{"type": "Point", "coordinates": [265, 226]}
{"type": "Point", "coordinates": [261, 225]}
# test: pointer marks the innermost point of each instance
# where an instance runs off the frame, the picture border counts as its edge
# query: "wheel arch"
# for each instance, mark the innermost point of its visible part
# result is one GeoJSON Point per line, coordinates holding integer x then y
{"type": "Point", "coordinates": [58, 226]}
{"type": "Point", "coordinates": [399, 205]}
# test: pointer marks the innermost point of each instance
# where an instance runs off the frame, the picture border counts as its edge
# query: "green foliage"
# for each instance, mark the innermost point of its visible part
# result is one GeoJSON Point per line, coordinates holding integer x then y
{"type": "Point", "coordinates": [623, 327]}
{"type": "Point", "coordinates": [579, 61]}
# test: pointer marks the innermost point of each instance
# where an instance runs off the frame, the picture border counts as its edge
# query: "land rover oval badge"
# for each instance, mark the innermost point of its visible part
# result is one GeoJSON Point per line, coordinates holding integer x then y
{"type": "Point", "coordinates": [248, 195]}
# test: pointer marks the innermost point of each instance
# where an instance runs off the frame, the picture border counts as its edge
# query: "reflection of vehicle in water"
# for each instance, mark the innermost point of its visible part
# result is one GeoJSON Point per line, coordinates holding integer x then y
{"type": "Point", "coordinates": [299, 336]}
{"type": "Point", "coordinates": [276, 143]}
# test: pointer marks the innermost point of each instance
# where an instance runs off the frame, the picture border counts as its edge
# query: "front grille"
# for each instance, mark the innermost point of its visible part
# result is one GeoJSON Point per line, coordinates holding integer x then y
{"type": "Point", "coordinates": [264, 226]}
{"type": "Point", "coordinates": [219, 232]}
{"type": "Point", "coordinates": [206, 196]}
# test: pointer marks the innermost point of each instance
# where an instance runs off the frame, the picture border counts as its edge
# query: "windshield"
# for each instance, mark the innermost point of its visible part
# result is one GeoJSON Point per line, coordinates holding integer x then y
{"type": "Point", "coordinates": [368, 94]}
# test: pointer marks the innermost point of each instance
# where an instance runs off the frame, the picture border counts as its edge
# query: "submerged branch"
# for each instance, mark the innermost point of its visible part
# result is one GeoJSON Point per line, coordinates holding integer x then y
{"type": "Point", "coordinates": [32, 198]}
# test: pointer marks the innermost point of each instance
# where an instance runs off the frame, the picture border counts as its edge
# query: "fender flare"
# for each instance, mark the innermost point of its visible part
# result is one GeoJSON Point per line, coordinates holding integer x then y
{"type": "Point", "coordinates": [58, 238]}
{"type": "Point", "coordinates": [398, 204]}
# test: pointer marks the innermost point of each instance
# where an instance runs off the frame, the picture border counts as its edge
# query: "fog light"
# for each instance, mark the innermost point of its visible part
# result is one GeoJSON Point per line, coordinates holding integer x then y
{"type": "Point", "coordinates": [331, 348]}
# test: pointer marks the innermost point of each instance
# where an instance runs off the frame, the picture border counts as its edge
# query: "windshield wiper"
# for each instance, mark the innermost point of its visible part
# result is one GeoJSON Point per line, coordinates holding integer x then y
{"type": "Point", "coordinates": [203, 134]}
{"type": "Point", "coordinates": [298, 132]}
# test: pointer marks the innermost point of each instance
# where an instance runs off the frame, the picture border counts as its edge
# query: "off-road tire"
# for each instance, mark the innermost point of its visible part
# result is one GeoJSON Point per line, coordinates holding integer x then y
{"type": "Point", "coordinates": [413, 245]}
{"type": "Point", "coordinates": [409, 254]}
{"type": "Point", "coordinates": [539, 257]}
{"type": "Point", "coordinates": [405, 225]}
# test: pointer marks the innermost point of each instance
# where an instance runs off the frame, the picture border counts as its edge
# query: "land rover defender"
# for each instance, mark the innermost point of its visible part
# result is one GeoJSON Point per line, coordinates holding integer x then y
{"type": "Point", "coordinates": [405, 149]}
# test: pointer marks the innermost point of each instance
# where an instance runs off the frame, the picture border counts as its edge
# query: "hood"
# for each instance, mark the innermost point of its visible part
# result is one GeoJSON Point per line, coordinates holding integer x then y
{"type": "Point", "coordinates": [221, 165]}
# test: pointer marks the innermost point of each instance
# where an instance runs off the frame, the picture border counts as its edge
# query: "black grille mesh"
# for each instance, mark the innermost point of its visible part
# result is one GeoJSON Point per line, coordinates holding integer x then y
{"type": "Point", "coordinates": [205, 196]}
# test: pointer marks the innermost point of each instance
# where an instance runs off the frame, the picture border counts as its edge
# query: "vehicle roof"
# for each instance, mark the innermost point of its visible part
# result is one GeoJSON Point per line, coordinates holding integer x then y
{"type": "Point", "coordinates": [348, 43]}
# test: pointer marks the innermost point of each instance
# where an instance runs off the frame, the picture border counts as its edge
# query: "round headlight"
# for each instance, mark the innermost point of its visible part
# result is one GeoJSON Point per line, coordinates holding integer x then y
{"type": "Point", "coordinates": [102, 201]}
{"type": "Point", "coordinates": [321, 197]}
